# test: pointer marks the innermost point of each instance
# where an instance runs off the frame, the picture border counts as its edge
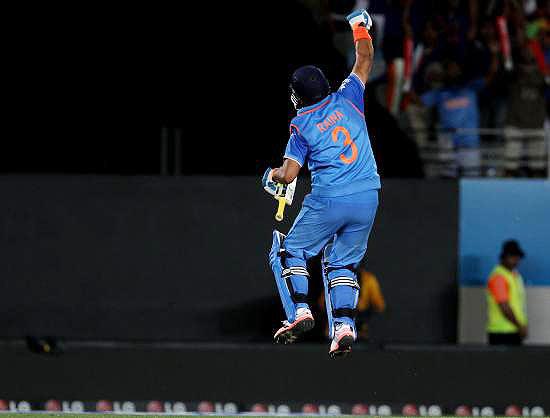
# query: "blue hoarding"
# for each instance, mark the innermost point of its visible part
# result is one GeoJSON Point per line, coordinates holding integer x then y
{"type": "Point", "coordinates": [492, 211]}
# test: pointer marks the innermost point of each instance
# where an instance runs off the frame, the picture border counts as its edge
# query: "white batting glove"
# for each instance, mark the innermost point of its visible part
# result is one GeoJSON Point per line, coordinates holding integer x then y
{"type": "Point", "coordinates": [361, 18]}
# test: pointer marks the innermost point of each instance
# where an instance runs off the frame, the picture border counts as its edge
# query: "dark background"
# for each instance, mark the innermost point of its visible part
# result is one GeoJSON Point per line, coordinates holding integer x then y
{"type": "Point", "coordinates": [93, 88]}
{"type": "Point", "coordinates": [185, 259]}
{"type": "Point", "coordinates": [89, 89]}
{"type": "Point", "coordinates": [447, 376]}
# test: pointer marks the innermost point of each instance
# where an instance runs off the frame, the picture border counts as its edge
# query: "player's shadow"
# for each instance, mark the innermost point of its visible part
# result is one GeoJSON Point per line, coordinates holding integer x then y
{"type": "Point", "coordinates": [257, 321]}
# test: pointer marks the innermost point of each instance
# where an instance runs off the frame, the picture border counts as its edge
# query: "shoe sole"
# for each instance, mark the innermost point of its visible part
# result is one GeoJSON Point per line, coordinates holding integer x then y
{"type": "Point", "coordinates": [344, 347]}
{"type": "Point", "coordinates": [289, 336]}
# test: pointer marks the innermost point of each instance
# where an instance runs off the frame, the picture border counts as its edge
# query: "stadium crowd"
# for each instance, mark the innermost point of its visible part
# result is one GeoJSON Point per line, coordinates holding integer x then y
{"type": "Point", "coordinates": [470, 78]}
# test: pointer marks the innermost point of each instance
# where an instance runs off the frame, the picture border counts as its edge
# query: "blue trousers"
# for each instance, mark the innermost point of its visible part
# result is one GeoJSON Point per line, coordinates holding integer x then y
{"type": "Point", "coordinates": [346, 222]}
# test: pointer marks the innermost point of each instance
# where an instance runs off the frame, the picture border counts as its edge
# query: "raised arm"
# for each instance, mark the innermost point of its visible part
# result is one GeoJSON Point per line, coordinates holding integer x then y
{"type": "Point", "coordinates": [361, 22]}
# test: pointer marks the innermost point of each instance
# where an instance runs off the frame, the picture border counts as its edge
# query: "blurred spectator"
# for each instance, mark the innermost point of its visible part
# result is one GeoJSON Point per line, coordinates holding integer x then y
{"type": "Point", "coordinates": [371, 301]}
{"type": "Point", "coordinates": [506, 301]}
{"type": "Point", "coordinates": [441, 50]}
{"type": "Point", "coordinates": [458, 113]}
{"type": "Point", "coordinates": [525, 150]}
{"type": "Point", "coordinates": [429, 51]}
{"type": "Point", "coordinates": [397, 49]}
{"type": "Point", "coordinates": [538, 38]}
{"type": "Point", "coordinates": [492, 99]}
{"type": "Point", "coordinates": [428, 75]}
{"type": "Point", "coordinates": [541, 10]}
{"type": "Point", "coordinates": [458, 20]}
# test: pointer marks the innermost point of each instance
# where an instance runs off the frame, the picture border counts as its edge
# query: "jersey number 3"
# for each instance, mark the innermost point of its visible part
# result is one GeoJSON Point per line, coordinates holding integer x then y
{"type": "Point", "coordinates": [347, 141]}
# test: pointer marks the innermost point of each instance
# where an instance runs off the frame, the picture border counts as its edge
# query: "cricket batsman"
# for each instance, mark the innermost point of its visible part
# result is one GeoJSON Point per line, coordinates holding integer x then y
{"type": "Point", "coordinates": [330, 133]}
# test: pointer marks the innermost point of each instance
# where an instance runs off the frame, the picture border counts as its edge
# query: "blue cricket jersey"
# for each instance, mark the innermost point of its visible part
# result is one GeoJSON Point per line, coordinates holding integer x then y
{"type": "Point", "coordinates": [458, 108]}
{"type": "Point", "coordinates": [332, 137]}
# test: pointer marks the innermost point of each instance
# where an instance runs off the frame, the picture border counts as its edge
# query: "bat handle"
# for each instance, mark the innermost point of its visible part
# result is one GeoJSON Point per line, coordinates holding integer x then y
{"type": "Point", "coordinates": [280, 209]}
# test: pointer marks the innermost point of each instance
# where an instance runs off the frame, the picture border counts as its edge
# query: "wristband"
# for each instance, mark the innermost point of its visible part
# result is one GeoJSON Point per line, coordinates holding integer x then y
{"type": "Point", "coordinates": [360, 32]}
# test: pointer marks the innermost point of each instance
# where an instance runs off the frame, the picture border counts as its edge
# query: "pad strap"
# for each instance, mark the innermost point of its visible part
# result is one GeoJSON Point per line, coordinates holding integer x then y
{"type": "Point", "coordinates": [343, 281]}
{"type": "Point", "coordinates": [298, 271]}
{"type": "Point", "coordinates": [286, 275]}
{"type": "Point", "coordinates": [295, 271]}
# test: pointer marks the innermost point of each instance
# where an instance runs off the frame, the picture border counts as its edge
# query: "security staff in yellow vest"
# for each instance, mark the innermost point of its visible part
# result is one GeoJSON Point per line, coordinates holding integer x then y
{"type": "Point", "coordinates": [507, 317]}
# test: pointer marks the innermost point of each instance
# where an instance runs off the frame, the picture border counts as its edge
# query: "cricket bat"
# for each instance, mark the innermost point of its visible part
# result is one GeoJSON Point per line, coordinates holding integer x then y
{"type": "Point", "coordinates": [280, 209]}
{"type": "Point", "coordinates": [284, 196]}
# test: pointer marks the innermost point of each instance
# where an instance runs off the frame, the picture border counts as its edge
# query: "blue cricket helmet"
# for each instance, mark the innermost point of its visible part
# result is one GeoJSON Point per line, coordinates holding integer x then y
{"type": "Point", "coordinates": [308, 86]}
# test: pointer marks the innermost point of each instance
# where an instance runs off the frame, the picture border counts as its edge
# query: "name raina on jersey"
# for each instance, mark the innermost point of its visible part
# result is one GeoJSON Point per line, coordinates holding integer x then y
{"type": "Point", "coordinates": [329, 121]}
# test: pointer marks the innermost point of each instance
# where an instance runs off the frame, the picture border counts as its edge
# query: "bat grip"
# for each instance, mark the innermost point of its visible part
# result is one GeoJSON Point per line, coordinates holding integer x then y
{"type": "Point", "coordinates": [280, 209]}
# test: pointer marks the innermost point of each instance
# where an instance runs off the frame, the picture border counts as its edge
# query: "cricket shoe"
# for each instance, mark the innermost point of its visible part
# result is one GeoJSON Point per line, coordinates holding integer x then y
{"type": "Point", "coordinates": [290, 331]}
{"type": "Point", "coordinates": [344, 336]}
